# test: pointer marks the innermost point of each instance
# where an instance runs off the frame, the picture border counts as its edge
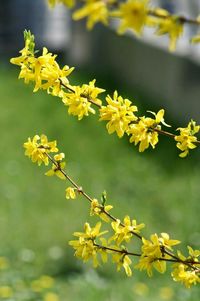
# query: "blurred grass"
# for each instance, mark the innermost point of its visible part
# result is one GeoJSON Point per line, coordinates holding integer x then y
{"type": "Point", "coordinates": [155, 187]}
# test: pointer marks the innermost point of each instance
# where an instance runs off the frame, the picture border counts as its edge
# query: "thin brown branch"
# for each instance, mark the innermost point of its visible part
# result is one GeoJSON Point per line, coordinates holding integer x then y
{"type": "Point", "coordinates": [173, 258]}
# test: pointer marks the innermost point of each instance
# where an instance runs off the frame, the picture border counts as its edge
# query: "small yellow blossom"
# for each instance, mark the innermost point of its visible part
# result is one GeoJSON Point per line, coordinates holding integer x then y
{"type": "Point", "coordinates": [98, 209]}
{"type": "Point", "coordinates": [38, 148]}
{"type": "Point", "coordinates": [27, 52]}
{"type": "Point", "coordinates": [194, 254]}
{"type": "Point", "coordinates": [56, 169]}
{"type": "Point", "coordinates": [95, 10]}
{"type": "Point", "coordinates": [85, 246]}
{"type": "Point", "coordinates": [6, 292]}
{"type": "Point", "coordinates": [152, 250]}
{"type": "Point", "coordinates": [166, 242]}
{"type": "Point", "coordinates": [144, 131]}
{"type": "Point", "coordinates": [80, 100]}
{"type": "Point", "coordinates": [132, 14]}
{"type": "Point", "coordinates": [148, 262]}
{"type": "Point", "coordinates": [186, 140]}
{"type": "Point", "coordinates": [125, 232]}
{"type": "Point", "coordinates": [122, 260]}
{"type": "Point", "coordinates": [153, 247]}
{"type": "Point", "coordinates": [184, 275]}
{"type": "Point", "coordinates": [70, 193]}
{"type": "Point", "coordinates": [171, 26]}
{"type": "Point", "coordinates": [119, 112]}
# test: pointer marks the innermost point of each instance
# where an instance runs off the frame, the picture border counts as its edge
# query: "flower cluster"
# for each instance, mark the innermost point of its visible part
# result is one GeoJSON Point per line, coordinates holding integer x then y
{"type": "Point", "coordinates": [38, 148]}
{"type": "Point", "coordinates": [43, 70]}
{"type": "Point", "coordinates": [119, 112]}
{"type": "Point", "coordinates": [187, 139]}
{"type": "Point", "coordinates": [154, 251]}
{"type": "Point", "coordinates": [124, 231]}
{"type": "Point", "coordinates": [145, 131]}
{"type": "Point", "coordinates": [183, 273]}
{"type": "Point", "coordinates": [133, 15]}
{"type": "Point", "coordinates": [80, 99]}
{"type": "Point", "coordinates": [47, 75]}
{"type": "Point", "coordinates": [85, 246]}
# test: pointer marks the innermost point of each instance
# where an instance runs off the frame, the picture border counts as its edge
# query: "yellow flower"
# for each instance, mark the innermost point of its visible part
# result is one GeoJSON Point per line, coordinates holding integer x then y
{"type": "Point", "coordinates": [171, 26]}
{"type": "Point", "coordinates": [149, 262]}
{"type": "Point", "coordinates": [144, 131]}
{"type": "Point", "coordinates": [133, 14]}
{"type": "Point", "coordinates": [186, 140]}
{"type": "Point", "coordinates": [95, 10]}
{"type": "Point", "coordinates": [119, 112]}
{"type": "Point", "coordinates": [194, 254]}
{"type": "Point", "coordinates": [153, 247]}
{"type": "Point", "coordinates": [70, 193]}
{"type": "Point", "coordinates": [166, 242]}
{"type": "Point", "coordinates": [47, 73]}
{"type": "Point", "coordinates": [85, 246]}
{"type": "Point", "coordinates": [91, 233]}
{"type": "Point", "coordinates": [27, 51]}
{"type": "Point", "coordinates": [81, 99]}
{"type": "Point", "coordinates": [38, 147]}
{"type": "Point", "coordinates": [56, 169]}
{"type": "Point", "coordinates": [98, 209]}
{"type": "Point", "coordinates": [185, 276]}
{"type": "Point", "coordinates": [126, 231]}
{"type": "Point", "coordinates": [122, 260]}
{"type": "Point", "coordinates": [152, 250]}
{"type": "Point", "coordinates": [6, 292]}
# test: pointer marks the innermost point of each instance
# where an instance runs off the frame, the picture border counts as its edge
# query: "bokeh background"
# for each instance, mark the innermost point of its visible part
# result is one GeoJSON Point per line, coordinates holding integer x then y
{"type": "Point", "coordinates": [155, 187]}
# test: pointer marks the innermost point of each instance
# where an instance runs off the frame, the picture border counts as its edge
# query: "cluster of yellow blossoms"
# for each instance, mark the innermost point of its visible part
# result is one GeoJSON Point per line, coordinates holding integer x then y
{"type": "Point", "coordinates": [98, 246]}
{"type": "Point", "coordinates": [119, 113]}
{"type": "Point", "coordinates": [133, 15]}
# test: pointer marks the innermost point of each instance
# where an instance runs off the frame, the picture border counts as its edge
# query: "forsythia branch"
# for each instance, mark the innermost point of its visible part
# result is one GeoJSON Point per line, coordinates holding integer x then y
{"type": "Point", "coordinates": [91, 243]}
{"type": "Point", "coordinates": [133, 15]}
{"type": "Point", "coordinates": [119, 113]}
